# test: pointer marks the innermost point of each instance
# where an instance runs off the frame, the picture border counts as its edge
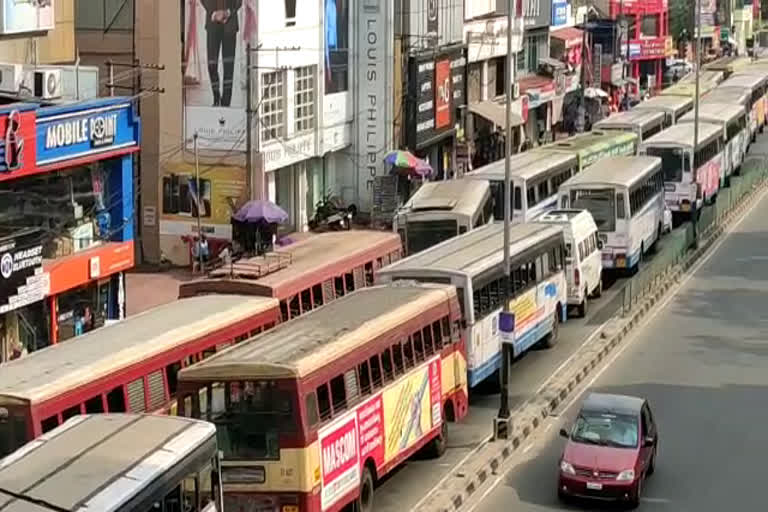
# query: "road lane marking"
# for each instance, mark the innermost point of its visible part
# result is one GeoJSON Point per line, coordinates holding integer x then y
{"type": "Point", "coordinates": [659, 307]}
{"type": "Point", "coordinates": [655, 500]}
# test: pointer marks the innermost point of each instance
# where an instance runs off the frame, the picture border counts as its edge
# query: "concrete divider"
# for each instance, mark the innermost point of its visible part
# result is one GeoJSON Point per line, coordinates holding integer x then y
{"type": "Point", "coordinates": [653, 284]}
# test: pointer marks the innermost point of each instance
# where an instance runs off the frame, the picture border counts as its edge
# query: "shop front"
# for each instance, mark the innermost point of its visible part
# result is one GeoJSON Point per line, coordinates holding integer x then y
{"type": "Point", "coordinates": [436, 95]}
{"type": "Point", "coordinates": [68, 209]}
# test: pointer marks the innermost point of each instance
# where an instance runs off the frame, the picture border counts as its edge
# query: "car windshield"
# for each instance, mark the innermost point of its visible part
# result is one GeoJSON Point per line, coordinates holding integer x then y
{"type": "Point", "coordinates": [606, 429]}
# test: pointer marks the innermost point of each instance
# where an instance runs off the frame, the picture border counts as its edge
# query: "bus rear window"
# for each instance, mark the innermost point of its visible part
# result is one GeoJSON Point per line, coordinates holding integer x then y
{"type": "Point", "coordinates": [13, 430]}
{"type": "Point", "coordinates": [600, 203]}
{"type": "Point", "coordinates": [671, 162]}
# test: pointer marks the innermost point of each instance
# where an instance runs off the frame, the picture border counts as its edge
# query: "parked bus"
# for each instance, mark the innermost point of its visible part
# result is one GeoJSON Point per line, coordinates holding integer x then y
{"type": "Point", "coordinates": [596, 145]}
{"type": "Point", "coordinates": [625, 196]}
{"type": "Point", "coordinates": [708, 80]}
{"type": "Point", "coordinates": [306, 274]}
{"type": "Point", "coordinates": [729, 65]}
{"type": "Point", "coordinates": [673, 107]}
{"type": "Point", "coordinates": [733, 121]}
{"type": "Point", "coordinates": [691, 175]}
{"type": "Point", "coordinates": [311, 414]}
{"type": "Point", "coordinates": [440, 210]}
{"type": "Point", "coordinates": [738, 97]}
{"type": "Point", "coordinates": [755, 86]}
{"type": "Point", "coordinates": [474, 264]}
{"type": "Point", "coordinates": [115, 463]}
{"type": "Point", "coordinates": [536, 172]}
{"type": "Point", "coordinates": [131, 366]}
{"type": "Point", "coordinates": [643, 123]}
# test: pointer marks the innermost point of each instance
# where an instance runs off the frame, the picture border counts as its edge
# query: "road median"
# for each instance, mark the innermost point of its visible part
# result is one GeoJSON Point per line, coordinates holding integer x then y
{"type": "Point", "coordinates": [640, 295]}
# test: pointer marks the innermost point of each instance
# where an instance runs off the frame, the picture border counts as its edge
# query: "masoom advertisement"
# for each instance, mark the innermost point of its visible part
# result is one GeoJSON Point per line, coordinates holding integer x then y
{"type": "Point", "coordinates": [216, 36]}
{"type": "Point", "coordinates": [380, 429]}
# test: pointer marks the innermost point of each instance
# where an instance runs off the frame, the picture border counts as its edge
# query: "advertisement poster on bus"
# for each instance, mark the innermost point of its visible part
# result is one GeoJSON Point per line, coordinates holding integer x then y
{"type": "Point", "coordinates": [380, 429]}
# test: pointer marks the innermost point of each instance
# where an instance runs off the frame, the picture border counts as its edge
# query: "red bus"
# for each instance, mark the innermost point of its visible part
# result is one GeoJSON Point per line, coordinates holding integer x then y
{"type": "Point", "coordinates": [312, 413]}
{"type": "Point", "coordinates": [307, 274]}
{"type": "Point", "coordinates": [131, 366]}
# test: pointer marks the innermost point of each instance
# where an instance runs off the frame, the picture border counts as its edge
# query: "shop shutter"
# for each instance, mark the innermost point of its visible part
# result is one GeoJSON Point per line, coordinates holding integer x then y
{"type": "Point", "coordinates": [136, 401]}
{"type": "Point", "coordinates": [359, 277]}
{"type": "Point", "coordinates": [156, 390]}
{"type": "Point", "coordinates": [328, 291]}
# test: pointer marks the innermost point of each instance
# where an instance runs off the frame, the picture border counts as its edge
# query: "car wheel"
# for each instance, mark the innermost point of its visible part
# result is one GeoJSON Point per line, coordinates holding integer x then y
{"type": "Point", "coordinates": [634, 500]}
{"type": "Point", "coordinates": [564, 498]}
{"type": "Point", "coordinates": [652, 464]}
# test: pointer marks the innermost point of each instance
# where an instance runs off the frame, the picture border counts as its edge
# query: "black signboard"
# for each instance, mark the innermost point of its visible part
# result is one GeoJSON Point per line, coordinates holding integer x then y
{"type": "Point", "coordinates": [21, 257]}
{"type": "Point", "coordinates": [436, 89]}
{"type": "Point", "coordinates": [432, 13]}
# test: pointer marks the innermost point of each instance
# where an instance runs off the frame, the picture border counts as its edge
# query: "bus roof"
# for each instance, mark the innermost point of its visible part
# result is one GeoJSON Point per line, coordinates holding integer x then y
{"type": "Point", "coordinates": [629, 119]}
{"type": "Point", "coordinates": [711, 112]}
{"type": "Point", "coordinates": [729, 63]}
{"type": "Point", "coordinates": [622, 171]}
{"type": "Point", "coordinates": [472, 252]}
{"type": "Point", "coordinates": [302, 346]}
{"type": "Point", "coordinates": [100, 462]}
{"type": "Point", "coordinates": [63, 367]}
{"type": "Point", "coordinates": [748, 80]}
{"type": "Point", "coordinates": [732, 95]}
{"type": "Point", "coordinates": [524, 165]}
{"type": "Point", "coordinates": [664, 103]}
{"type": "Point", "coordinates": [586, 143]}
{"type": "Point", "coordinates": [450, 195]}
{"type": "Point", "coordinates": [317, 257]}
{"type": "Point", "coordinates": [682, 135]}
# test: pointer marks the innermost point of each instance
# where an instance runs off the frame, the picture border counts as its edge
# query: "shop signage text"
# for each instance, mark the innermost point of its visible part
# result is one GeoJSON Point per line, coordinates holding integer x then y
{"type": "Point", "coordinates": [17, 143]}
{"type": "Point", "coordinates": [98, 130]}
{"type": "Point", "coordinates": [559, 12]}
{"type": "Point", "coordinates": [280, 154]}
{"type": "Point", "coordinates": [655, 48]}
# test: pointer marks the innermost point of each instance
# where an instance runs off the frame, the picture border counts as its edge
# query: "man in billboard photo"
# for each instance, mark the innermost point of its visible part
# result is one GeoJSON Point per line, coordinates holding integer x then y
{"type": "Point", "coordinates": [221, 26]}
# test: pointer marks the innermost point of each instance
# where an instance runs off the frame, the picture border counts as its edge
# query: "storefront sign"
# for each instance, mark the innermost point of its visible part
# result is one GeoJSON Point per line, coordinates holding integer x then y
{"type": "Point", "coordinates": [559, 12]}
{"type": "Point", "coordinates": [487, 39]}
{"type": "Point", "coordinates": [22, 281]}
{"type": "Point", "coordinates": [537, 13]}
{"type": "Point", "coordinates": [373, 92]}
{"type": "Point", "coordinates": [17, 142]}
{"type": "Point", "coordinates": [435, 91]}
{"type": "Point", "coordinates": [78, 269]}
{"type": "Point", "coordinates": [432, 14]}
{"type": "Point", "coordinates": [64, 134]}
{"type": "Point", "coordinates": [279, 154]}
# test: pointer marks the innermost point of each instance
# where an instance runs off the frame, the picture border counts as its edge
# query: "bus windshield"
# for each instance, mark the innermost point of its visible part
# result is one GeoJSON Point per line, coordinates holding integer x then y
{"type": "Point", "coordinates": [600, 203]}
{"type": "Point", "coordinates": [250, 416]}
{"type": "Point", "coordinates": [672, 162]}
{"type": "Point", "coordinates": [13, 430]}
{"type": "Point", "coordinates": [425, 234]}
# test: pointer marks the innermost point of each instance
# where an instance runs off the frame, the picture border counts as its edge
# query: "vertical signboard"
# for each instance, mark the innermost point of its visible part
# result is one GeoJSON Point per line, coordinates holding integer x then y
{"type": "Point", "coordinates": [443, 94]}
{"type": "Point", "coordinates": [597, 53]}
{"type": "Point", "coordinates": [433, 7]}
{"type": "Point", "coordinates": [372, 94]}
{"type": "Point", "coordinates": [22, 280]}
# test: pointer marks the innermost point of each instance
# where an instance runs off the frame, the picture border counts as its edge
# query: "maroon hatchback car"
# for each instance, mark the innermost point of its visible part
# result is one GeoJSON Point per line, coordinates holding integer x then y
{"type": "Point", "coordinates": [611, 448]}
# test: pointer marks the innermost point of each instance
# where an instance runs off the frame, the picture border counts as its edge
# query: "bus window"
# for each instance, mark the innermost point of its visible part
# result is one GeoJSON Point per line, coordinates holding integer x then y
{"type": "Point", "coordinates": [429, 347]}
{"type": "Point", "coordinates": [136, 401]}
{"type": "Point", "coordinates": [351, 389]}
{"type": "Point", "coordinates": [408, 353]}
{"type": "Point", "coordinates": [369, 276]}
{"type": "Point", "coordinates": [323, 401]}
{"type": "Point", "coordinates": [397, 358]}
{"type": "Point", "coordinates": [518, 199]}
{"type": "Point", "coordinates": [365, 378]}
{"type": "Point", "coordinates": [386, 365]}
{"type": "Point", "coordinates": [310, 404]}
{"type": "Point", "coordinates": [68, 413]}
{"type": "Point", "coordinates": [306, 300]}
{"type": "Point", "coordinates": [375, 371]}
{"type": "Point", "coordinates": [50, 423]}
{"type": "Point", "coordinates": [116, 400]}
{"type": "Point", "coordinates": [317, 295]}
{"type": "Point", "coordinates": [94, 405]}
{"type": "Point", "coordinates": [339, 285]}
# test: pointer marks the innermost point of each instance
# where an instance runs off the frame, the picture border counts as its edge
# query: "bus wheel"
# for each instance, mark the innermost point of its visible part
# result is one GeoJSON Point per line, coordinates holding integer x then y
{"type": "Point", "coordinates": [365, 500]}
{"type": "Point", "coordinates": [599, 290]}
{"type": "Point", "coordinates": [439, 444]}
{"type": "Point", "coordinates": [550, 340]}
{"type": "Point", "coordinates": [584, 306]}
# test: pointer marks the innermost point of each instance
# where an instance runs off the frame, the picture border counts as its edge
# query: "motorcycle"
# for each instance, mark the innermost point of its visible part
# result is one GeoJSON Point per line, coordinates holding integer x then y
{"type": "Point", "coordinates": [330, 213]}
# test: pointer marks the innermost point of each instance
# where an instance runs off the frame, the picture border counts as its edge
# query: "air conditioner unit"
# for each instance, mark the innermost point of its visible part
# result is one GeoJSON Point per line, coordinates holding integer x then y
{"type": "Point", "coordinates": [47, 84]}
{"type": "Point", "coordinates": [10, 78]}
{"type": "Point", "coordinates": [515, 90]}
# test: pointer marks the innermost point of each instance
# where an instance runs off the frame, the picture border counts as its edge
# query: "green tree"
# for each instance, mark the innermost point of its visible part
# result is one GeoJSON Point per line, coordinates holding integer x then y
{"type": "Point", "coordinates": [681, 19]}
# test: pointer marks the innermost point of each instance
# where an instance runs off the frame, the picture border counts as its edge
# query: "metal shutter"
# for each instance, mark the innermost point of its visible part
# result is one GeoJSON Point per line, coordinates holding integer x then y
{"type": "Point", "coordinates": [156, 390]}
{"type": "Point", "coordinates": [328, 291]}
{"type": "Point", "coordinates": [359, 276]}
{"type": "Point", "coordinates": [136, 395]}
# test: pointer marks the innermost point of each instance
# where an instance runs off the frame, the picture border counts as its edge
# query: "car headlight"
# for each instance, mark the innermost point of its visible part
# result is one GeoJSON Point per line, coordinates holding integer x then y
{"type": "Point", "coordinates": [626, 475]}
{"type": "Point", "coordinates": [566, 467]}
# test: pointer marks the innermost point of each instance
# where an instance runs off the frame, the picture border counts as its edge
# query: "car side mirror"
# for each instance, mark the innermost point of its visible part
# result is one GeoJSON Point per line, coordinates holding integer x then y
{"type": "Point", "coordinates": [563, 432]}
{"type": "Point", "coordinates": [648, 441]}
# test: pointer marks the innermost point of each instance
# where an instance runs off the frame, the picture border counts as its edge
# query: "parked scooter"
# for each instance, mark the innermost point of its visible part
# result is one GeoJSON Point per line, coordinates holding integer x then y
{"type": "Point", "coordinates": [330, 213]}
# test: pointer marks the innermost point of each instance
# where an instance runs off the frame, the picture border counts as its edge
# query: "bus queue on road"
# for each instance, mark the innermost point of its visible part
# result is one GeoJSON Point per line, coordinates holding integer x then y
{"type": "Point", "coordinates": [326, 364]}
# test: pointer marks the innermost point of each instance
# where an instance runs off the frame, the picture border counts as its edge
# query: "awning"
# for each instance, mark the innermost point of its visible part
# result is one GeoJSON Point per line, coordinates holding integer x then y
{"type": "Point", "coordinates": [569, 35]}
{"type": "Point", "coordinates": [495, 112]}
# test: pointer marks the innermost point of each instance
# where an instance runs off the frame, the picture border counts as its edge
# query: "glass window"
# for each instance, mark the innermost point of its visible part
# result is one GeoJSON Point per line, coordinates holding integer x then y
{"type": "Point", "coordinates": [418, 345]}
{"type": "Point", "coordinates": [310, 404]}
{"type": "Point", "coordinates": [397, 358]}
{"type": "Point", "coordinates": [304, 103]}
{"type": "Point", "coordinates": [365, 378]}
{"type": "Point", "coordinates": [376, 371]}
{"type": "Point", "coordinates": [386, 365]}
{"type": "Point", "coordinates": [323, 401]}
{"type": "Point", "coordinates": [272, 106]}
{"type": "Point", "coordinates": [616, 430]}
{"type": "Point", "coordinates": [408, 353]}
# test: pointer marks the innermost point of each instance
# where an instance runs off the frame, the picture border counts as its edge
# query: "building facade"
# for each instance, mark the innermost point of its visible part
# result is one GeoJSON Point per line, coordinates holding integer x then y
{"type": "Point", "coordinates": [68, 219]}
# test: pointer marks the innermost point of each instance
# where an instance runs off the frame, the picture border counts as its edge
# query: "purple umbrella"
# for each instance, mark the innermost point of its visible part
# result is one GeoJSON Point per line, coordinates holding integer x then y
{"type": "Point", "coordinates": [259, 210]}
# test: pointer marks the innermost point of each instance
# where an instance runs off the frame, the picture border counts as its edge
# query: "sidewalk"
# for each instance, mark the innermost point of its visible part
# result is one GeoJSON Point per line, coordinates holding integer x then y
{"type": "Point", "coordinates": [146, 289]}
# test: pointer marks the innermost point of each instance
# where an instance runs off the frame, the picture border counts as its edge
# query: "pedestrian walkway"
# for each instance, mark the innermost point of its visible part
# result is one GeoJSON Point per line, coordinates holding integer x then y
{"type": "Point", "coordinates": [146, 289]}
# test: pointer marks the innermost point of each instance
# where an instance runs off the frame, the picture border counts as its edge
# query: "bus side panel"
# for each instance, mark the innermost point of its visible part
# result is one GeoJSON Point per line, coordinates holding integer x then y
{"type": "Point", "coordinates": [535, 309]}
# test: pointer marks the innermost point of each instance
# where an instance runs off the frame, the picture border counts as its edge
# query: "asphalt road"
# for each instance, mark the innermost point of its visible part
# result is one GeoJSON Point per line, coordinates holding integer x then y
{"type": "Point", "coordinates": [702, 363]}
{"type": "Point", "coordinates": [405, 488]}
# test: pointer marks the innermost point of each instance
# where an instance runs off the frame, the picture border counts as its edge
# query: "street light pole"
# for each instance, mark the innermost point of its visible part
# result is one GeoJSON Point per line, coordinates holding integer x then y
{"type": "Point", "coordinates": [505, 362]}
{"type": "Point", "coordinates": [199, 205]}
{"type": "Point", "coordinates": [697, 31]}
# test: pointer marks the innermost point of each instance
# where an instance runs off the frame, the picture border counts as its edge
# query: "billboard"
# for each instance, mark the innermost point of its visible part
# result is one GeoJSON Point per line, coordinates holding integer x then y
{"type": "Point", "coordinates": [22, 280]}
{"type": "Point", "coordinates": [216, 35]}
{"type": "Point", "coordinates": [336, 46]}
{"type": "Point", "coordinates": [20, 16]}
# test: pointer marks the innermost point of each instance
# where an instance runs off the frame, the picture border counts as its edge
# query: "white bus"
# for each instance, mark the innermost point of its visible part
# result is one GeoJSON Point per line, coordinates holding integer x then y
{"type": "Point", "coordinates": [116, 463]}
{"type": "Point", "coordinates": [673, 107]}
{"type": "Point", "coordinates": [645, 123]}
{"type": "Point", "coordinates": [755, 86]}
{"type": "Point", "coordinates": [691, 175]}
{"type": "Point", "coordinates": [536, 172]}
{"type": "Point", "coordinates": [440, 210]}
{"type": "Point", "coordinates": [474, 264]}
{"type": "Point", "coordinates": [583, 264]}
{"type": "Point", "coordinates": [625, 196]}
{"type": "Point", "coordinates": [733, 120]}
{"type": "Point", "coordinates": [739, 97]}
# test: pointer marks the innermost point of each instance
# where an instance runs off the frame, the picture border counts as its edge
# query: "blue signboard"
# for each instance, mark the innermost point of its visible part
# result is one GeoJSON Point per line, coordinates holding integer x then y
{"type": "Point", "coordinates": [86, 129]}
{"type": "Point", "coordinates": [559, 12]}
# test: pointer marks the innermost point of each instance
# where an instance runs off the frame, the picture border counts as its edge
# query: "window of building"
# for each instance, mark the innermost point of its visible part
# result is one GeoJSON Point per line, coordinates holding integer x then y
{"type": "Point", "coordinates": [501, 74]}
{"type": "Point", "coordinates": [305, 99]}
{"type": "Point", "coordinates": [272, 106]}
{"type": "Point", "coordinates": [649, 26]}
{"type": "Point", "coordinates": [104, 15]}
{"type": "Point", "coordinates": [290, 13]}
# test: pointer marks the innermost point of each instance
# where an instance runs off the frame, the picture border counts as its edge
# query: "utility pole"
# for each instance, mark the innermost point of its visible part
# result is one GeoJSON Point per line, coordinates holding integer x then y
{"type": "Point", "coordinates": [501, 430]}
{"type": "Point", "coordinates": [199, 207]}
{"type": "Point", "coordinates": [625, 70]}
{"type": "Point", "coordinates": [249, 125]}
{"type": "Point", "coordinates": [697, 30]}
{"type": "Point", "coordinates": [582, 120]}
